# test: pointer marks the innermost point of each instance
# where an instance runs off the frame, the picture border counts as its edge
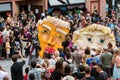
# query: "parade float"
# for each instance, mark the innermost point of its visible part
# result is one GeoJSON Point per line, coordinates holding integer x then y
{"type": "Point", "coordinates": [51, 33]}
{"type": "Point", "coordinates": [94, 36]}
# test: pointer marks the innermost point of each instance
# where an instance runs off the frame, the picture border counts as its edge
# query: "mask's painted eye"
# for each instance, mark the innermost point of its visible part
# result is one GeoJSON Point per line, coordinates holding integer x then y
{"type": "Point", "coordinates": [59, 37]}
{"type": "Point", "coordinates": [45, 31]}
{"type": "Point", "coordinates": [102, 41]}
{"type": "Point", "coordinates": [89, 39]}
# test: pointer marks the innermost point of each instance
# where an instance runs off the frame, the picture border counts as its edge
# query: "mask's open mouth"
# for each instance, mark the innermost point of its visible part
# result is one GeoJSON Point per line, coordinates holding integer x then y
{"type": "Point", "coordinates": [50, 49]}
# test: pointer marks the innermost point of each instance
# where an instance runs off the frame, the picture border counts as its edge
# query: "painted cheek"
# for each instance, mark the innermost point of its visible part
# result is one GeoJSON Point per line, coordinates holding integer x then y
{"type": "Point", "coordinates": [58, 41]}
{"type": "Point", "coordinates": [44, 37]}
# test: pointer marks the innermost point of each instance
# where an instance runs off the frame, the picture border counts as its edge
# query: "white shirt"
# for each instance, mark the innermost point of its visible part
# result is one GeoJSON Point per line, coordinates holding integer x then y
{"type": "Point", "coordinates": [3, 74]}
{"type": "Point", "coordinates": [52, 62]}
{"type": "Point", "coordinates": [68, 77]}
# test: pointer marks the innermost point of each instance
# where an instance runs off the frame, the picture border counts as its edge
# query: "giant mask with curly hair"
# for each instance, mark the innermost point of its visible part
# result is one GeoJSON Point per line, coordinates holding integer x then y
{"type": "Point", "coordinates": [95, 36]}
{"type": "Point", "coordinates": [51, 33]}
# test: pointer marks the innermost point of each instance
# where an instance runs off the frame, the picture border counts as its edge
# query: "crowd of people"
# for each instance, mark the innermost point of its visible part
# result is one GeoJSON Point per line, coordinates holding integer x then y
{"type": "Point", "coordinates": [18, 38]}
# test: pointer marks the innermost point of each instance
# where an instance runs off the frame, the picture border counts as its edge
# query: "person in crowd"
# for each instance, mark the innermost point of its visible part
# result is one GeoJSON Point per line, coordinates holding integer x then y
{"type": "Point", "coordinates": [87, 74]}
{"type": "Point", "coordinates": [68, 61]}
{"type": "Point", "coordinates": [36, 71]}
{"type": "Point", "coordinates": [66, 42]}
{"type": "Point", "coordinates": [110, 48]}
{"type": "Point", "coordinates": [31, 76]}
{"type": "Point", "coordinates": [34, 37]}
{"type": "Point", "coordinates": [106, 63]}
{"type": "Point", "coordinates": [12, 44]}
{"type": "Point", "coordinates": [87, 55]}
{"type": "Point", "coordinates": [61, 53]}
{"type": "Point", "coordinates": [5, 78]}
{"type": "Point", "coordinates": [58, 72]}
{"type": "Point", "coordinates": [1, 43]}
{"type": "Point", "coordinates": [3, 73]}
{"type": "Point", "coordinates": [81, 75]}
{"type": "Point", "coordinates": [31, 17]}
{"type": "Point", "coordinates": [102, 74]}
{"type": "Point", "coordinates": [44, 58]}
{"type": "Point", "coordinates": [17, 38]}
{"type": "Point", "coordinates": [118, 25]}
{"type": "Point", "coordinates": [24, 39]}
{"type": "Point", "coordinates": [77, 59]}
{"type": "Point", "coordinates": [27, 49]}
{"type": "Point", "coordinates": [89, 60]}
{"type": "Point", "coordinates": [116, 70]}
{"type": "Point", "coordinates": [26, 73]}
{"type": "Point", "coordinates": [57, 57]}
{"type": "Point", "coordinates": [98, 54]}
{"type": "Point", "coordinates": [67, 73]}
{"type": "Point", "coordinates": [7, 45]}
{"type": "Point", "coordinates": [51, 60]}
{"type": "Point", "coordinates": [32, 55]}
{"type": "Point", "coordinates": [17, 67]}
{"type": "Point", "coordinates": [49, 67]}
{"type": "Point", "coordinates": [111, 24]}
{"type": "Point", "coordinates": [5, 34]}
{"type": "Point", "coordinates": [94, 72]}
{"type": "Point", "coordinates": [68, 50]}
{"type": "Point", "coordinates": [23, 17]}
{"type": "Point", "coordinates": [117, 36]}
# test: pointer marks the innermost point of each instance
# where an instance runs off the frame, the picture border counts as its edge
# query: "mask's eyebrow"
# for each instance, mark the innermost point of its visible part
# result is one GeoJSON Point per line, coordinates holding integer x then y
{"type": "Point", "coordinates": [46, 26]}
{"type": "Point", "coordinates": [61, 31]}
{"type": "Point", "coordinates": [101, 35]}
{"type": "Point", "coordinates": [88, 35]}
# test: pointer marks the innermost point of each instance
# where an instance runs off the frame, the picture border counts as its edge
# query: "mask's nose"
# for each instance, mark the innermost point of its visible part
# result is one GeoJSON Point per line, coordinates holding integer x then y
{"type": "Point", "coordinates": [95, 46]}
{"type": "Point", "coordinates": [50, 40]}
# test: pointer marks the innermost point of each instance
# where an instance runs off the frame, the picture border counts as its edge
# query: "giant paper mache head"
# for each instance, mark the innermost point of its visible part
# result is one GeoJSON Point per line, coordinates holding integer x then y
{"type": "Point", "coordinates": [94, 36]}
{"type": "Point", "coordinates": [51, 33]}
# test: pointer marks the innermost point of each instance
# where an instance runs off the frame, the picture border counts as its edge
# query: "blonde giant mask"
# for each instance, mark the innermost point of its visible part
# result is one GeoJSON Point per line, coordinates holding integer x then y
{"type": "Point", "coordinates": [51, 33]}
{"type": "Point", "coordinates": [95, 36]}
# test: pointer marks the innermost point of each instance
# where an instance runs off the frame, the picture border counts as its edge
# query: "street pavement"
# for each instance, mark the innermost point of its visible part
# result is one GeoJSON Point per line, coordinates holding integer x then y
{"type": "Point", "coordinates": [7, 64]}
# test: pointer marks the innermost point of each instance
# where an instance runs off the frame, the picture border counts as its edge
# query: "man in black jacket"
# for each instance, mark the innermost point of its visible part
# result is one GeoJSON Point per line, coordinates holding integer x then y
{"type": "Point", "coordinates": [17, 68]}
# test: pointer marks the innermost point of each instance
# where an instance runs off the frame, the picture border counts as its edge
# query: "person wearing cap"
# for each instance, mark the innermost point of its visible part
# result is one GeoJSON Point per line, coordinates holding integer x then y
{"type": "Point", "coordinates": [105, 59]}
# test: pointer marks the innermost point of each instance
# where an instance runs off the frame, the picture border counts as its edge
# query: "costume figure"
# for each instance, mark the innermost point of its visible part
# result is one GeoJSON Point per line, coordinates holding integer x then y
{"type": "Point", "coordinates": [94, 36]}
{"type": "Point", "coordinates": [51, 33]}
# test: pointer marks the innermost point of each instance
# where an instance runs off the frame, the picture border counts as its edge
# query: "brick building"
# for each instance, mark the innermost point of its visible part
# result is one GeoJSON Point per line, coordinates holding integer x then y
{"type": "Point", "coordinates": [38, 6]}
{"type": "Point", "coordinates": [99, 5]}
{"type": "Point", "coordinates": [15, 6]}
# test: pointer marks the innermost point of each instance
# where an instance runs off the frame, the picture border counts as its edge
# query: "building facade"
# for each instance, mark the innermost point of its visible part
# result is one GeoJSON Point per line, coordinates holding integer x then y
{"type": "Point", "coordinates": [15, 6]}
{"type": "Point", "coordinates": [38, 6]}
{"type": "Point", "coordinates": [99, 5]}
{"type": "Point", "coordinates": [91, 5]}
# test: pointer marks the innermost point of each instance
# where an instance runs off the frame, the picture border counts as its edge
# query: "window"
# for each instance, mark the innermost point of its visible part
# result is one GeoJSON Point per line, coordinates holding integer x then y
{"type": "Point", "coordinates": [5, 7]}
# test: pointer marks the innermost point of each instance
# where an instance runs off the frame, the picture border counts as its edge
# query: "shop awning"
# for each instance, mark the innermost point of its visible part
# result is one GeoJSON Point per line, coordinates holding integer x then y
{"type": "Point", "coordinates": [76, 1]}
{"type": "Point", "coordinates": [57, 2]}
{"type": "Point", "coordinates": [64, 2]}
